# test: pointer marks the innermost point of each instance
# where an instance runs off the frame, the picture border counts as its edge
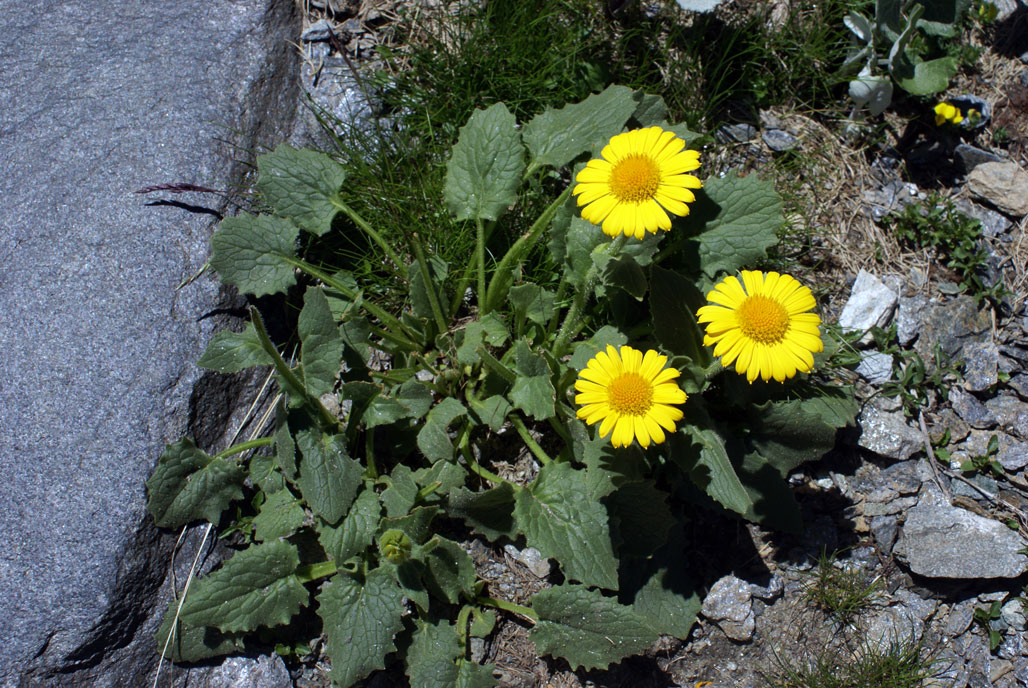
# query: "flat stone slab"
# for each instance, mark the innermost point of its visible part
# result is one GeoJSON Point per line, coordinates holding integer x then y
{"type": "Point", "coordinates": [100, 99]}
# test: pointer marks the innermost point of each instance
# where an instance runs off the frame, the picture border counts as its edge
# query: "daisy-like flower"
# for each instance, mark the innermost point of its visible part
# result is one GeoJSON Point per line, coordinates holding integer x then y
{"type": "Point", "coordinates": [945, 112]}
{"type": "Point", "coordinates": [631, 393]}
{"type": "Point", "coordinates": [639, 179]}
{"type": "Point", "coordinates": [762, 325]}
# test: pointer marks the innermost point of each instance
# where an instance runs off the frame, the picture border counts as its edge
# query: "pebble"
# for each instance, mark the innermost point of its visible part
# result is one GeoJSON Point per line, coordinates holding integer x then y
{"type": "Point", "coordinates": [739, 133]}
{"type": "Point", "coordinates": [1010, 413]}
{"type": "Point", "coordinates": [951, 324]}
{"type": "Point", "coordinates": [870, 304]}
{"type": "Point", "coordinates": [908, 318]}
{"type": "Point", "coordinates": [876, 367]}
{"type": "Point", "coordinates": [320, 30]}
{"type": "Point", "coordinates": [729, 605]}
{"type": "Point", "coordinates": [960, 618]}
{"type": "Point", "coordinates": [972, 411]}
{"type": "Point", "coordinates": [1003, 184]}
{"type": "Point", "coordinates": [1013, 615]}
{"type": "Point", "coordinates": [993, 224]}
{"type": "Point", "coordinates": [981, 366]}
{"type": "Point", "coordinates": [779, 140]}
{"type": "Point", "coordinates": [1019, 383]}
{"type": "Point", "coordinates": [884, 530]}
{"type": "Point", "coordinates": [970, 157]}
{"type": "Point", "coordinates": [887, 434]}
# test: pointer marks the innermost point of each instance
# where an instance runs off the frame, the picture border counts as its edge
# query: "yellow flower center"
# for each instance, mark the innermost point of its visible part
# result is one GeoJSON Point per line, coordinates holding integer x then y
{"type": "Point", "coordinates": [762, 319]}
{"type": "Point", "coordinates": [630, 394]}
{"type": "Point", "coordinates": [635, 179]}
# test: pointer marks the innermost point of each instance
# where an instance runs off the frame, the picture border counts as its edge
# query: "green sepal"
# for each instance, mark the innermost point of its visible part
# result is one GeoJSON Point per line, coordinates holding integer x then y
{"type": "Point", "coordinates": [560, 519]}
{"type": "Point", "coordinates": [302, 185]}
{"type": "Point", "coordinates": [255, 254]}
{"type": "Point", "coordinates": [484, 170]}
{"type": "Point", "coordinates": [329, 478]}
{"type": "Point", "coordinates": [188, 485]}
{"type": "Point", "coordinates": [256, 587]}
{"type": "Point", "coordinates": [586, 628]}
{"type": "Point", "coordinates": [360, 619]}
{"type": "Point", "coordinates": [230, 352]}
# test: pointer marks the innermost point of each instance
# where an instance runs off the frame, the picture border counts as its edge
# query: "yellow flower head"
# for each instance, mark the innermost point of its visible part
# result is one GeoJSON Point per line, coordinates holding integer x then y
{"type": "Point", "coordinates": [631, 393]}
{"type": "Point", "coordinates": [639, 179]}
{"type": "Point", "coordinates": [944, 112]}
{"type": "Point", "coordinates": [762, 325]}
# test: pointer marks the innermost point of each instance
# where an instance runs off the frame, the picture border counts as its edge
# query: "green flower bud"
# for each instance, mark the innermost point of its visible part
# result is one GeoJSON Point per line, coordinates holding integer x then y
{"type": "Point", "coordinates": [395, 546]}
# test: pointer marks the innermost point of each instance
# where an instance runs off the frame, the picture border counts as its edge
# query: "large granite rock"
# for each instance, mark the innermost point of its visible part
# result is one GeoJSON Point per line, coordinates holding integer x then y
{"type": "Point", "coordinates": [100, 98]}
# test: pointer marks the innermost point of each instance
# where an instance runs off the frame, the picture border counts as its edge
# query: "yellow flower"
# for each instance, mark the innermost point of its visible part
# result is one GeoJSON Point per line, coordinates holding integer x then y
{"type": "Point", "coordinates": [944, 112]}
{"type": "Point", "coordinates": [631, 393]}
{"type": "Point", "coordinates": [639, 179]}
{"type": "Point", "coordinates": [762, 325]}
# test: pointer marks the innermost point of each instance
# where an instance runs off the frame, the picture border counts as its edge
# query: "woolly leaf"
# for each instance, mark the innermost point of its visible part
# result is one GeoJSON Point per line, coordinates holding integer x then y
{"type": "Point", "coordinates": [433, 441]}
{"type": "Point", "coordinates": [712, 469]}
{"type": "Point", "coordinates": [280, 516]}
{"type": "Point", "coordinates": [360, 620]}
{"type": "Point", "coordinates": [230, 352]}
{"type": "Point", "coordinates": [556, 137]}
{"type": "Point", "coordinates": [489, 329]}
{"type": "Point", "coordinates": [356, 532]}
{"type": "Point", "coordinates": [255, 254]}
{"type": "Point", "coordinates": [302, 185]}
{"type": "Point", "coordinates": [321, 347]}
{"type": "Point", "coordinates": [642, 518]}
{"type": "Point", "coordinates": [484, 171]}
{"type": "Point", "coordinates": [188, 485]}
{"type": "Point", "coordinates": [587, 629]}
{"type": "Point", "coordinates": [585, 351]}
{"type": "Point", "coordinates": [329, 478]}
{"type": "Point", "coordinates": [559, 519]}
{"type": "Point", "coordinates": [533, 302]}
{"type": "Point", "coordinates": [492, 411]}
{"type": "Point", "coordinates": [432, 657]}
{"type": "Point", "coordinates": [256, 587]}
{"type": "Point", "coordinates": [673, 321]}
{"type": "Point", "coordinates": [399, 497]}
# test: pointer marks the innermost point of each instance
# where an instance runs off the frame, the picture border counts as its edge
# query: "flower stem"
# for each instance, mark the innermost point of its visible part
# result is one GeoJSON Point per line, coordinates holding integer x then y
{"type": "Point", "coordinates": [525, 612]}
{"type": "Point", "coordinates": [483, 306]}
{"type": "Point", "coordinates": [526, 437]}
{"type": "Point", "coordinates": [371, 232]}
{"type": "Point", "coordinates": [571, 320]}
{"type": "Point", "coordinates": [245, 446]}
{"type": "Point", "coordinates": [474, 465]}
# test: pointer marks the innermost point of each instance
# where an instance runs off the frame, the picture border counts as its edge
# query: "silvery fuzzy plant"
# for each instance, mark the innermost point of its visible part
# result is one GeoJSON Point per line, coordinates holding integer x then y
{"type": "Point", "coordinates": [882, 53]}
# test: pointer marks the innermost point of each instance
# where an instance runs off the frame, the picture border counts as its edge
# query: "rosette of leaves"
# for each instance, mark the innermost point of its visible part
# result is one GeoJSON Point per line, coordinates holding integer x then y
{"type": "Point", "coordinates": [889, 49]}
{"type": "Point", "coordinates": [337, 516]}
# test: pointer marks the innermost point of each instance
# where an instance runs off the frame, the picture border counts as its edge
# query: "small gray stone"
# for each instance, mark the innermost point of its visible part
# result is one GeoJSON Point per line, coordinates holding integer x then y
{"type": "Point", "coordinates": [972, 411]}
{"type": "Point", "coordinates": [993, 224]}
{"type": "Point", "coordinates": [960, 618]}
{"type": "Point", "coordinates": [906, 477]}
{"type": "Point", "coordinates": [739, 133]}
{"type": "Point", "coordinates": [772, 591]}
{"type": "Point", "coordinates": [962, 489]}
{"type": "Point", "coordinates": [318, 31]}
{"type": "Point", "coordinates": [942, 541]}
{"type": "Point", "coordinates": [729, 605]}
{"type": "Point", "coordinates": [949, 420]}
{"type": "Point", "coordinates": [904, 619]}
{"type": "Point", "coordinates": [536, 563]}
{"type": "Point", "coordinates": [884, 530]}
{"type": "Point", "coordinates": [1003, 184]}
{"type": "Point", "coordinates": [779, 140]}
{"type": "Point", "coordinates": [1013, 615]}
{"type": "Point", "coordinates": [242, 672]}
{"type": "Point", "coordinates": [889, 508]}
{"type": "Point", "coordinates": [888, 434]}
{"type": "Point", "coordinates": [970, 157]}
{"type": "Point", "coordinates": [870, 305]}
{"type": "Point", "coordinates": [1019, 383]}
{"type": "Point", "coordinates": [1010, 413]}
{"type": "Point", "coordinates": [981, 362]}
{"type": "Point", "coordinates": [876, 367]}
{"type": "Point", "coordinates": [952, 325]}
{"type": "Point", "coordinates": [1014, 645]}
{"type": "Point", "coordinates": [908, 318]}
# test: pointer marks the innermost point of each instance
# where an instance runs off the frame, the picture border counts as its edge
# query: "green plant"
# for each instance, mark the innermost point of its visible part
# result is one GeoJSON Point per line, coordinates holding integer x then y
{"type": "Point", "coordinates": [938, 225]}
{"type": "Point", "coordinates": [984, 618]}
{"type": "Point", "coordinates": [985, 462]}
{"type": "Point", "coordinates": [913, 381]}
{"type": "Point", "coordinates": [896, 664]}
{"type": "Point", "coordinates": [890, 49]}
{"type": "Point", "coordinates": [840, 592]}
{"type": "Point", "coordinates": [347, 504]}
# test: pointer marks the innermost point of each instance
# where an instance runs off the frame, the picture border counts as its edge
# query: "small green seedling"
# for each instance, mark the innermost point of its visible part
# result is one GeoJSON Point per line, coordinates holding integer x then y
{"type": "Point", "coordinates": [984, 618]}
{"type": "Point", "coordinates": [985, 463]}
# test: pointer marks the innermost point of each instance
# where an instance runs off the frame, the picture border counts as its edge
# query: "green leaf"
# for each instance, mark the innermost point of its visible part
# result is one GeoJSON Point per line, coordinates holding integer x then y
{"type": "Point", "coordinates": [356, 532]}
{"type": "Point", "coordinates": [433, 653]}
{"type": "Point", "coordinates": [736, 222]}
{"type": "Point", "coordinates": [489, 329]}
{"type": "Point", "coordinates": [556, 137]}
{"type": "Point", "coordinates": [559, 519]}
{"type": "Point", "coordinates": [712, 470]}
{"type": "Point", "coordinates": [285, 447]}
{"type": "Point", "coordinates": [642, 518]}
{"type": "Point", "coordinates": [484, 171]}
{"type": "Point", "coordinates": [417, 524]}
{"type": "Point", "coordinates": [471, 675]}
{"type": "Point", "coordinates": [255, 254]}
{"type": "Point", "coordinates": [188, 485]}
{"type": "Point", "coordinates": [418, 290]}
{"type": "Point", "coordinates": [492, 411]}
{"type": "Point", "coordinates": [360, 621]}
{"type": "Point", "coordinates": [256, 587]}
{"type": "Point", "coordinates": [230, 352]}
{"type": "Point", "coordinates": [448, 475]}
{"type": "Point", "coordinates": [412, 400]}
{"type": "Point", "coordinates": [321, 347]}
{"type": "Point", "coordinates": [533, 302]}
{"type": "Point", "coordinates": [280, 516]}
{"type": "Point", "coordinates": [924, 78]}
{"type": "Point", "coordinates": [583, 238]}
{"type": "Point", "coordinates": [650, 109]}
{"type": "Point", "coordinates": [265, 475]}
{"type": "Point", "coordinates": [607, 335]}
{"type": "Point", "coordinates": [450, 571]}
{"type": "Point", "coordinates": [532, 391]}
{"type": "Point", "coordinates": [302, 185]}
{"type": "Point", "coordinates": [193, 643]}
{"type": "Point", "coordinates": [490, 512]}
{"type": "Point", "coordinates": [399, 497]}
{"type": "Point", "coordinates": [663, 597]}
{"type": "Point", "coordinates": [790, 432]}
{"type": "Point", "coordinates": [674, 323]}
{"type": "Point", "coordinates": [772, 502]}
{"type": "Point", "coordinates": [433, 440]}
{"type": "Point", "coordinates": [587, 629]}
{"type": "Point", "coordinates": [329, 478]}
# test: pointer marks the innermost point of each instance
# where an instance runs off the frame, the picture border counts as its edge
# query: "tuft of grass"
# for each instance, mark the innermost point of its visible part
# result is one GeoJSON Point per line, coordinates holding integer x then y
{"type": "Point", "coordinates": [898, 664]}
{"type": "Point", "coordinates": [840, 592]}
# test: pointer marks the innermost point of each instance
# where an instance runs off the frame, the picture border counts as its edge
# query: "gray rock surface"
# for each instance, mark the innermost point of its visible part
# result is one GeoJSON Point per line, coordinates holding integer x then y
{"type": "Point", "coordinates": [729, 605]}
{"type": "Point", "coordinates": [244, 672]}
{"type": "Point", "coordinates": [943, 541]}
{"type": "Point", "coordinates": [887, 433]}
{"type": "Point", "coordinates": [951, 324]}
{"type": "Point", "coordinates": [981, 366]}
{"type": "Point", "coordinates": [970, 157]}
{"type": "Point", "coordinates": [99, 100]}
{"type": "Point", "coordinates": [972, 411]}
{"type": "Point", "coordinates": [1003, 184]}
{"type": "Point", "coordinates": [876, 367]}
{"type": "Point", "coordinates": [870, 305]}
